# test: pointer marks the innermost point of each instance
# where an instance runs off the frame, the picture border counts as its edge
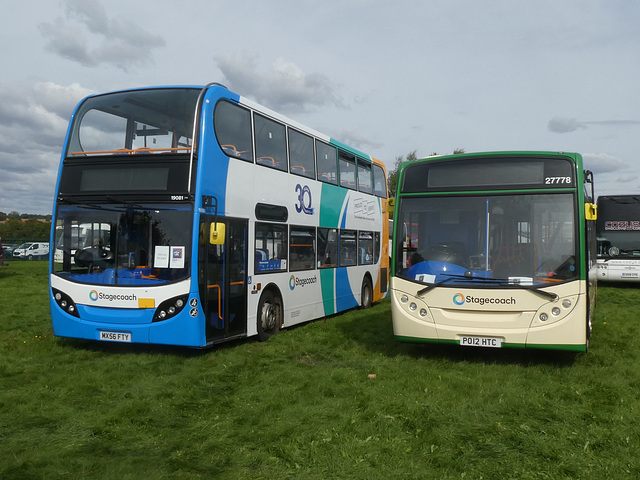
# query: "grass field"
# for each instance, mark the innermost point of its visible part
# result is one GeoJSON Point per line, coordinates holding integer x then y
{"type": "Point", "coordinates": [333, 399]}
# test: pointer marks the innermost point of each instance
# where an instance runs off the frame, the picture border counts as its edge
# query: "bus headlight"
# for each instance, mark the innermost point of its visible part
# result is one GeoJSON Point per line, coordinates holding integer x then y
{"type": "Point", "coordinates": [169, 308]}
{"type": "Point", "coordinates": [544, 317]}
{"type": "Point", "coordinates": [64, 302]}
{"type": "Point", "coordinates": [566, 303]}
{"type": "Point", "coordinates": [555, 311]}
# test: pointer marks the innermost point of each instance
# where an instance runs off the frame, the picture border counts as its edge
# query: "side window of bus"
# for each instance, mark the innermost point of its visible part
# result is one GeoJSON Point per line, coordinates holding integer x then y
{"type": "Point", "coordinates": [301, 154]}
{"type": "Point", "coordinates": [327, 247]}
{"type": "Point", "coordinates": [348, 248]}
{"type": "Point", "coordinates": [377, 247]}
{"type": "Point", "coordinates": [233, 130]}
{"type": "Point", "coordinates": [347, 164]}
{"type": "Point", "coordinates": [302, 252]}
{"type": "Point", "coordinates": [364, 176]}
{"type": "Point", "coordinates": [271, 144]}
{"type": "Point", "coordinates": [327, 164]}
{"type": "Point", "coordinates": [365, 248]}
{"type": "Point", "coordinates": [271, 248]}
{"type": "Point", "coordinates": [379, 182]}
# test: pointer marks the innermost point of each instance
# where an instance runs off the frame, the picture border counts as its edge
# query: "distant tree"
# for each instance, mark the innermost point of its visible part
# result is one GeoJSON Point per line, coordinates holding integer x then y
{"type": "Point", "coordinates": [15, 215]}
{"type": "Point", "coordinates": [392, 175]}
{"type": "Point", "coordinates": [32, 229]}
{"type": "Point", "coordinates": [36, 230]}
{"type": "Point", "coordinates": [3, 216]}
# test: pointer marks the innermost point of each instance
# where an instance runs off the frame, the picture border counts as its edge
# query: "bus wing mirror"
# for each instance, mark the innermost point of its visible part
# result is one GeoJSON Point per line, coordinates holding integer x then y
{"type": "Point", "coordinates": [216, 234]}
{"type": "Point", "coordinates": [590, 211]}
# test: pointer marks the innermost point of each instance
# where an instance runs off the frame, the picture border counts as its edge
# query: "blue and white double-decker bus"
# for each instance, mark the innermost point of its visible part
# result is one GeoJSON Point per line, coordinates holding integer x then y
{"type": "Point", "coordinates": [207, 217]}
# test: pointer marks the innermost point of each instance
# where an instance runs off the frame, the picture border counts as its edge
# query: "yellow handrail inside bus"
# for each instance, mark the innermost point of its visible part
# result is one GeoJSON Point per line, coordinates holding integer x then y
{"type": "Point", "coordinates": [220, 296]}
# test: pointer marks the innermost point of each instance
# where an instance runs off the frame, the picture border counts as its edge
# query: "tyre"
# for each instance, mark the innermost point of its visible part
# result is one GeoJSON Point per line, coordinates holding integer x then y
{"type": "Point", "coordinates": [270, 314]}
{"type": "Point", "coordinates": [366, 298]}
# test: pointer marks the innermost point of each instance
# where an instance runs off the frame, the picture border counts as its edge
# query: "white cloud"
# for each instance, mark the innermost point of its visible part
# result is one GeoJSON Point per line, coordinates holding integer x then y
{"type": "Point", "coordinates": [600, 163]}
{"type": "Point", "coordinates": [33, 121]}
{"type": "Point", "coordinates": [89, 37]}
{"type": "Point", "coordinates": [284, 87]}
{"type": "Point", "coordinates": [564, 125]}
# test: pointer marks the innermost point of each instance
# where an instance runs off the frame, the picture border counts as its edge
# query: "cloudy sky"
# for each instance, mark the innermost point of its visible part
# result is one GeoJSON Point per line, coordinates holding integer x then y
{"type": "Point", "coordinates": [385, 77]}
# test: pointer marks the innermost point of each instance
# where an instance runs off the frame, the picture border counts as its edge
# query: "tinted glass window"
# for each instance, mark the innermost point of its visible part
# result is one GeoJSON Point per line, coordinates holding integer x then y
{"type": "Point", "coordinates": [365, 248]}
{"type": "Point", "coordinates": [271, 146]}
{"type": "Point", "coordinates": [274, 213]}
{"type": "Point", "coordinates": [233, 129]}
{"type": "Point", "coordinates": [301, 154]}
{"type": "Point", "coordinates": [326, 161]}
{"type": "Point", "coordinates": [379, 182]}
{"type": "Point", "coordinates": [364, 177]}
{"type": "Point", "coordinates": [348, 248]}
{"type": "Point", "coordinates": [271, 248]}
{"type": "Point", "coordinates": [302, 252]}
{"type": "Point", "coordinates": [347, 163]}
{"type": "Point", "coordinates": [327, 247]}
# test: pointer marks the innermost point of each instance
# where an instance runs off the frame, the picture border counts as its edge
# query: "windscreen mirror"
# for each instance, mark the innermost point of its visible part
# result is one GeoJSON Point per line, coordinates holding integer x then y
{"type": "Point", "coordinates": [590, 211]}
{"type": "Point", "coordinates": [216, 234]}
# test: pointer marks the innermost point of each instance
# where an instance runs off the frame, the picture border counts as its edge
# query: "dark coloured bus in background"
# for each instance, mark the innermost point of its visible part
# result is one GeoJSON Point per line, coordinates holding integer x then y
{"type": "Point", "coordinates": [618, 232]}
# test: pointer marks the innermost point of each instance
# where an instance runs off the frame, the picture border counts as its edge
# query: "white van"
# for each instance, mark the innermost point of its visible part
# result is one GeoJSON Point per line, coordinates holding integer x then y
{"type": "Point", "coordinates": [32, 250]}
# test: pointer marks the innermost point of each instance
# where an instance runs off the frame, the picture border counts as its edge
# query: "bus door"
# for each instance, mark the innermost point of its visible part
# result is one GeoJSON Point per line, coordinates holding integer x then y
{"type": "Point", "coordinates": [223, 279]}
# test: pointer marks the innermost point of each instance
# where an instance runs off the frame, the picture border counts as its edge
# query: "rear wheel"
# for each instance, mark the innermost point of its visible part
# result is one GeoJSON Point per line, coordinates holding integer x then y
{"type": "Point", "coordinates": [366, 298]}
{"type": "Point", "coordinates": [269, 315]}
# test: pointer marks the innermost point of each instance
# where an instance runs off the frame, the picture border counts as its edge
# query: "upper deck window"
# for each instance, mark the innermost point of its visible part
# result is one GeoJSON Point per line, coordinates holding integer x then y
{"type": "Point", "coordinates": [326, 161]}
{"type": "Point", "coordinates": [379, 182]}
{"type": "Point", "coordinates": [271, 143]}
{"type": "Point", "coordinates": [233, 130]}
{"type": "Point", "coordinates": [347, 163]}
{"type": "Point", "coordinates": [301, 154]}
{"type": "Point", "coordinates": [364, 176]}
{"type": "Point", "coordinates": [134, 122]}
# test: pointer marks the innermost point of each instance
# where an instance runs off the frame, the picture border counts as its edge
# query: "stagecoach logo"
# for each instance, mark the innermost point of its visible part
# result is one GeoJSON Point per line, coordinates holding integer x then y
{"type": "Point", "coordinates": [301, 282]}
{"type": "Point", "coordinates": [460, 299]}
{"type": "Point", "coordinates": [94, 295]}
{"type": "Point", "coordinates": [304, 199]}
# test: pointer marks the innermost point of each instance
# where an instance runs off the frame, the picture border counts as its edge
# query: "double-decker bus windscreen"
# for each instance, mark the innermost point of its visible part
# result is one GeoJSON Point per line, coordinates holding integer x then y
{"type": "Point", "coordinates": [144, 121]}
{"type": "Point", "coordinates": [123, 245]}
{"type": "Point", "coordinates": [523, 239]}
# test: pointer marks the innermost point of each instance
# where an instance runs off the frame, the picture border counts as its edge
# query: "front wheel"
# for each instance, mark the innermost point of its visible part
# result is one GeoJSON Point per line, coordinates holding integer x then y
{"type": "Point", "coordinates": [269, 315]}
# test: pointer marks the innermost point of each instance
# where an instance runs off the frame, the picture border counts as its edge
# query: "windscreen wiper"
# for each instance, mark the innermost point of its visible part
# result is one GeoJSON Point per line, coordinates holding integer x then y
{"type": "Point", "coordinates": [436, 284]}
{"type": "Point", "coordinates": [496, 281]}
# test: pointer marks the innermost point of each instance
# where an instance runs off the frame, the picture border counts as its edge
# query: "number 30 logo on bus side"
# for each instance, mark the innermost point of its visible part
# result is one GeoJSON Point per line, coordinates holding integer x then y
{"type": "Point", "coordinates": [304, 199]}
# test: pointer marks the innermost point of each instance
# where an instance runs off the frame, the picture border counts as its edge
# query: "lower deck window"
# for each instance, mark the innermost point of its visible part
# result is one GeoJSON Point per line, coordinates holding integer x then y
{"type": "Point", "coordinates": [271, 248]}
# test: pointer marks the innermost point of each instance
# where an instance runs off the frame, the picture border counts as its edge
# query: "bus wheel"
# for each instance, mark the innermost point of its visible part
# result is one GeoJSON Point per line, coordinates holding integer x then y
{"type": "Point", "coordinates": [366, 298]}
{"type": "Point", "coordinates": [269, 315]}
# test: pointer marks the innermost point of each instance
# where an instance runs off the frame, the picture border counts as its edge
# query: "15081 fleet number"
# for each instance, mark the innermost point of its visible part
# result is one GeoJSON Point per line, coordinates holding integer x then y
{"type": "Point", "coordinates": [557, 180]}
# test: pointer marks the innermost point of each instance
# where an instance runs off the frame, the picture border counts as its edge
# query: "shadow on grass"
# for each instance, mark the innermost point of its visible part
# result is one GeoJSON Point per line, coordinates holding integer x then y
{"type": "Point", "coordinates": [6, 271]}
{"type": "Point", "coordinates": [116, 348]}
{"type": "Point", "coordinates": [373, 329]}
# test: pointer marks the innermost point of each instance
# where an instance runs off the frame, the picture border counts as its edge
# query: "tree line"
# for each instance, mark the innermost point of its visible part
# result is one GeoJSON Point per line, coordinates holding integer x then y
{"type": "Point", "coordinates": [16, 230]}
